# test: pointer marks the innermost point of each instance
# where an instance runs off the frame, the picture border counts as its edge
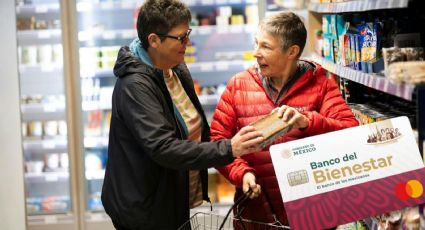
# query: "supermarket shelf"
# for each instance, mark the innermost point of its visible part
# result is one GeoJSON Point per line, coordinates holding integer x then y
{"type": "Point", "coordinates": [39, 80]}
{"type": "Point", "coordinates": [97, 217]}
{"type": "Point", "coordinates": [104, 73]}
{"type": "Point", "coordinates": [95, 175]}
{"type": "Point", "coordinates": [41, 70]}
{"type": "Point", "coordinates": [110, 5]}
{"type": "Point", "coordinates": [219, 66]}
{"type": "Point", "coordinates": [43, 112]}
{"type": "Point", "coordinates": [218, 2]}
{"type": "Point", "coordinates": [357, 6]}
{"type": "Point", "coordinates": [230, 29]}
{"type": "Point", "coordinates": [47, 177]}
{"type": "Point", "coordinates": [90, 35]}
{"type": "Point", "coordinates": [209, 100]}
{"type": "Point", "coordinates": [374, 81]}
{"type": "Point", "coordinates": [38, 37]}
{"type": "Point", "coordinates": [195, 67]}
{"type": "Point", "coordinates": [46, 221]}
{"type": "Point", "coordinates": [96, 105]}
{"type": "Point", "coordinates": [45, 146]}
{"type": "Point", "coordinates": [206, 100]}
{"type": "Point", "coordinates": [96, 142]}
{"type": "Point", "coordinates": [31, 10]}
{"type": "Point", "coordinates": [132, 5]}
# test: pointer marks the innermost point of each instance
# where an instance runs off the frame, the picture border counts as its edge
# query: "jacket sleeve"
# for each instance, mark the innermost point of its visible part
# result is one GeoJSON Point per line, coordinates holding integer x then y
{"type": "Point", "coordinates": [224, 126]}
{"type": "Point", "coordinates": [332, 113]}
{"type": "Point", "coordinates": [145, 117]}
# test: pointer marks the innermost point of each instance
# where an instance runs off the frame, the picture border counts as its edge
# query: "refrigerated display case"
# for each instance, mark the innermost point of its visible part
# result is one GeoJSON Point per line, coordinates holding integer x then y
{"type": "Point", "coordinates": [66, 51]}
{"type": "Point", "coordinates": [102, 28]}
{"type": "Point", "coordinates": [44, 117]}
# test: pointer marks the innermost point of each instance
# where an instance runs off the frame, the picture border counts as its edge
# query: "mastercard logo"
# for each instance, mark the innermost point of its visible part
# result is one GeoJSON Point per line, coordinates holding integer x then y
{"type": "Point", "coordinates": [410, 189]}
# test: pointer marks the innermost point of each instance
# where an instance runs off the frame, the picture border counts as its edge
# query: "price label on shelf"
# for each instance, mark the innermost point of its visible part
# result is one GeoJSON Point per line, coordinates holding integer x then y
{"type": "Point", "coordinates": [109, 35]}
{"type": "Point", "coordinates": [128, 5]}
{"type": "Point", "coordinates": [47, 68]}
{"type": "Point", "coordinates": [50, 219]}
{"type": "Point", "coordinates": [204, 30]}
{"type": "Point", "coordinates": [41, 9]}
{"type": "Point", "coordinates": [222, 66]}
{"type": "Point", "coordinates": [107, 5]}
{"type": "Point", "coordinates": [236, 29]}
{"type": "Point", "coordinates": [206, 67]}
{"type": "Point", "coordinates": [51, 177]}
{"type": "Point", "coordinates": [223, 29]}
{"type": "Point", "coordinates": [250, 29]}
{"type": "Point", "coordinates": [44, 34]}
{"type": "Point", "coordinates": [221, 2]}
{"type": "Point", "coordinates": [207, 2]}
{"type": "Point", "coordinates": [127, 34]}
{"type": "Point", "coordinates": [96, 217]}
{"type": "Point", "coordinates": [48, 144]}
{"type": "Point", "coordinates": [84, 6]}
{"type": "Point", "coordinates": [49, 108]}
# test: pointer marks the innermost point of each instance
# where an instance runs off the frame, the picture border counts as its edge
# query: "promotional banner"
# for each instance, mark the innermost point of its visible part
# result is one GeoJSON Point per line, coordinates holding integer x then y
{"type": "Point", "coordinates": [347, 175]}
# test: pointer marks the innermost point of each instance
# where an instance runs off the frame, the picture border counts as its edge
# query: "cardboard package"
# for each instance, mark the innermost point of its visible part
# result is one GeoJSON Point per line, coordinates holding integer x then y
{"type": "Point", "coordinates": [272, 127]}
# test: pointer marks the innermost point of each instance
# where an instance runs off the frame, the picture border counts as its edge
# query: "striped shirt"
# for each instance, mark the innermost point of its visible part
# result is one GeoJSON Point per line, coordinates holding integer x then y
{"type": "Point", "coordinates": [193, 122]}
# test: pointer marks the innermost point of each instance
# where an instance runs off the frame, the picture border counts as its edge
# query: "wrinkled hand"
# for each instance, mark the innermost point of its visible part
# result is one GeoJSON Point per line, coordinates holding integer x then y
{"type": "Point", "coordinates": [248, 182]}
{"type": "Point", "coordinates": [246, 141]}
{"type": "Point", "coordinates": [292, 117]}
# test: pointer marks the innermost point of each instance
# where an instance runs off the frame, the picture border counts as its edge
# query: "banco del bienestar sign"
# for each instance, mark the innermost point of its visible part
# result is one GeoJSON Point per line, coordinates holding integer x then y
{"type": "Point", "coordinates": [351, 174]}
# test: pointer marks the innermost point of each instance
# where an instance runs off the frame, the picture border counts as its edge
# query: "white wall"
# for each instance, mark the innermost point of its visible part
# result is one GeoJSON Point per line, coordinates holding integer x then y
{"type": "Point", "coordinates": [12, 203]}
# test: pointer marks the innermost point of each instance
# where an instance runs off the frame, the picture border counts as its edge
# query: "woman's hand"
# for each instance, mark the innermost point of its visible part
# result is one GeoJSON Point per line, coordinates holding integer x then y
{"type": "Point", "coordinates": [292, 117]}
{"type": "Point", "coordinates": [246, 141]}
{"type": "Point", "coordinates": [248, 182]}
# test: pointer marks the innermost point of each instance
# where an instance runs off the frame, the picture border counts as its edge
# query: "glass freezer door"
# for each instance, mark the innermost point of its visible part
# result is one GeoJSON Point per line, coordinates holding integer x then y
{"type": "Point", "coordinates": [43, 108]}
{"type": "Point", "coordinates": [103, 26]}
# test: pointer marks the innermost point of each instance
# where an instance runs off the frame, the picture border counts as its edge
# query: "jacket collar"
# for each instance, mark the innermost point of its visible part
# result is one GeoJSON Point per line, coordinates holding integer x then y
{"type": "Point", "coordinates": [304, 79]}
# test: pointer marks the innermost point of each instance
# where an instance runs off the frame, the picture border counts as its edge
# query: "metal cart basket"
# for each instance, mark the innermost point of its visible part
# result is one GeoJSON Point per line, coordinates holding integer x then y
{"type": "Point", "coordinates": [211, 221]}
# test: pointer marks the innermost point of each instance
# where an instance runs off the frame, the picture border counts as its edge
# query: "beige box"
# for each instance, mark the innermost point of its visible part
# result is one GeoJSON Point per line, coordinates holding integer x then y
{"type": "Point", "coordinates": [272, 127]}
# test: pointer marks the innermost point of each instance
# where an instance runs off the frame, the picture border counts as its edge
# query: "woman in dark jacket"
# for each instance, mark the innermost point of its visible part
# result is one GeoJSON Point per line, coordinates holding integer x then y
{"type": "Point", "coordinates": [159, 137]}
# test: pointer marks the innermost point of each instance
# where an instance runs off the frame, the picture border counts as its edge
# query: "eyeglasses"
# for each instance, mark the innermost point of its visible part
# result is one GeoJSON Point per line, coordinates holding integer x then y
{"type": "Point", "coordinates": [182, 39]}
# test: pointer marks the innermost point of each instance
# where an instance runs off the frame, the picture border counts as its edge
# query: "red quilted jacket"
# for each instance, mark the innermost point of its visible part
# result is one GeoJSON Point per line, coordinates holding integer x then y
{"type": "Point", "coordinates": [245, 101]}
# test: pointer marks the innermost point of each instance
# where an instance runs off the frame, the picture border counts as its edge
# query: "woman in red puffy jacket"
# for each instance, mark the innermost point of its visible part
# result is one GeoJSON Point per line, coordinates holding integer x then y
{"type": "Point", "coordinates": [301, 93]}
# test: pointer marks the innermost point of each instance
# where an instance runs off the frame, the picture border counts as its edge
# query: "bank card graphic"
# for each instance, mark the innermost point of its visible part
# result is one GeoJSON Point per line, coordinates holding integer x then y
{"type": "Point", "coordinates": [329, 174]}
{"type": "Point", "coordinates": [297, 177]}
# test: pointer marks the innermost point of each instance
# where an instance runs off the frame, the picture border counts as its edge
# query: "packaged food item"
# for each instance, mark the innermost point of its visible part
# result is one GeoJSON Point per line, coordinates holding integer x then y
{"type": "Point", "coordinates": [50, 128]}
{"type": "Point", "coordinates": [395, 54]}
{"type": "Point", "coordinates": [272, 127]}
{"type": "Point", "coordinates": [35, 128]}
{"type": "Point", "coordinates": [411, 220]}
{"type": "Point", "coordinates": [62, 128]}
{"type": "Point", "coordinates": [51, 162]}
{"type": "Point", "coordinates": [410, 72]}
{"type": "Point", "coordinates": [24, 129]}
{"type": "Point", "coordinates": [34, 166]}
{"type": "Point", "coordinates": [63, 160]}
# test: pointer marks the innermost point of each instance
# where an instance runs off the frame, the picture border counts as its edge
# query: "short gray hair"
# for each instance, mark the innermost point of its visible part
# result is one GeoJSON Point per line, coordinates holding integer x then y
{"type": "Point", "coordinates": [288, 27]}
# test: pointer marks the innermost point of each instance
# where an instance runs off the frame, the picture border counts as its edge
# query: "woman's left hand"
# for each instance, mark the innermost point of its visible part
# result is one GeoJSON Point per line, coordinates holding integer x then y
{"type": "Point", "coordinates": [248, 182]}
{"type": "Point", "coordinates": [292, 117]}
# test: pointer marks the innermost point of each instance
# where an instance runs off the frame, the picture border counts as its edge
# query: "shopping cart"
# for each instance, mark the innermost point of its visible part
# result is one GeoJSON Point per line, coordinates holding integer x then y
{"type": "Point", "coordinates": [211, 221]}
